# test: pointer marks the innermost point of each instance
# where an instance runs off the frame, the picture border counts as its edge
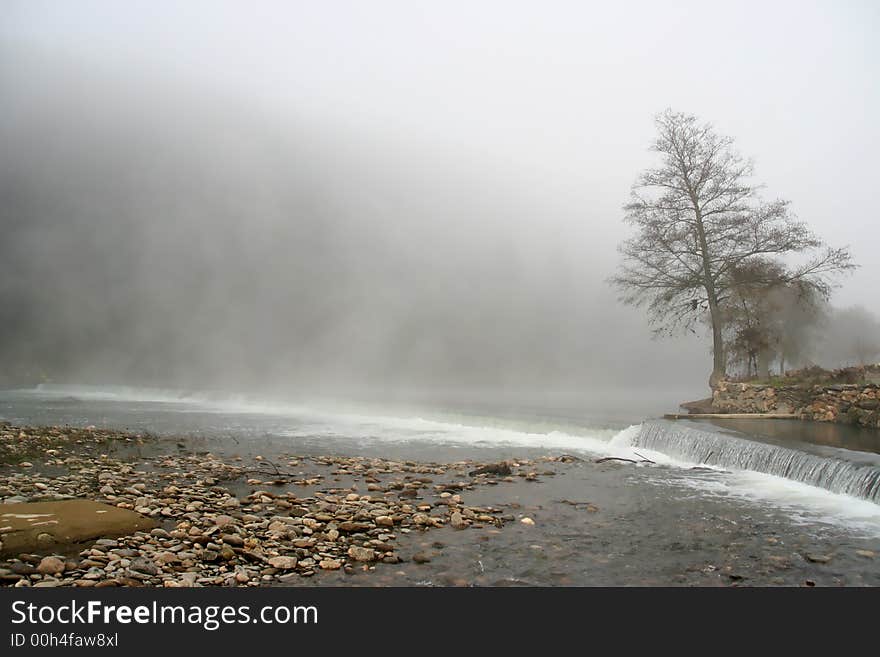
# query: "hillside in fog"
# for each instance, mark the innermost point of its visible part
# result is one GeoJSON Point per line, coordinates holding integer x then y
{"type": "Point", "coordinates": [163, 238]}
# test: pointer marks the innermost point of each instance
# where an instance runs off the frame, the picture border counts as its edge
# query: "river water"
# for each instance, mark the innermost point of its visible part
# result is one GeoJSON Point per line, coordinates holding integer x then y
{"type": "Point", "coordinates": [759, 503]}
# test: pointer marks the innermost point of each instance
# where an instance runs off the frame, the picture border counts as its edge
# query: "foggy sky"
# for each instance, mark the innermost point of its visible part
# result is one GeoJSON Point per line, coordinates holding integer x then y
{"type": "Point", "coordinates": [392, 194]}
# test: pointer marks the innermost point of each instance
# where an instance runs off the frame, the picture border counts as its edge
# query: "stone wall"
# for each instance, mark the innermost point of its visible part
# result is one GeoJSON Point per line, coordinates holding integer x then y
{"type": "Point", "coordinates": [853, 403]}
{"type": "Point", "coordinates": [850, 404]}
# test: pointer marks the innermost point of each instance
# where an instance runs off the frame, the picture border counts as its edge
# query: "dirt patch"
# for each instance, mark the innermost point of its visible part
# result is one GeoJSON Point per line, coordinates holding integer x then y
{"type": "Point", "coordinates": [38, 526]}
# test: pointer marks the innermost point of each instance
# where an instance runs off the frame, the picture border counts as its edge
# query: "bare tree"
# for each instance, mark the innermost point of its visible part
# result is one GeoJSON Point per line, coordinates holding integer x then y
{"type": "Point", "coordinates": [697, 217]}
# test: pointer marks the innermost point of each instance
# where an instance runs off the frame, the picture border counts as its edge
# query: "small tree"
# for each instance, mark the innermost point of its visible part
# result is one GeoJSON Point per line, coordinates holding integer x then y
{"type": "Point", "coordinates": [697, 217]}
{"type": "Point", "coordinates": [769, 317]}
{"type": "Point", "coordinates": [746, 318]}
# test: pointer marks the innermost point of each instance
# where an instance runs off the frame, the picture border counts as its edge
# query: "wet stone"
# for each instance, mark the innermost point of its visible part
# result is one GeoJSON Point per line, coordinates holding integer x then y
{"type": "Point", "coordinates": [818, 558]}
{"type": "Point", "coordinates": [143, 566]}
{"type": "Point", "coordinates": [51, 566]}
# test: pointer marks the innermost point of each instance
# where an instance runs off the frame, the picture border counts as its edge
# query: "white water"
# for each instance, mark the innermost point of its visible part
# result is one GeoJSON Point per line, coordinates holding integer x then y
{"type": "Point", "coordinates": [856, 478]}
{"type": "Point", "coordinates": [808, 487]}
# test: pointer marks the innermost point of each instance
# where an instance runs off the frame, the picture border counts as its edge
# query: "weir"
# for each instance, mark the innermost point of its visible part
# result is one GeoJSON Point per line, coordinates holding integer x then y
{"type": "Point", "coordinates": [725, 450]}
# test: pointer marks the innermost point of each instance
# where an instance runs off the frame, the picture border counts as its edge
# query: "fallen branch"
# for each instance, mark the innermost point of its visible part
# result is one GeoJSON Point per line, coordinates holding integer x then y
{"type": "Point", "coordinates": [277, 471]}
{"type": "Point", "coordinates": [644, 460]}
{"type": "Point", "coordinates": [243, 471]}
{"type": "Point", "coordinates": [605, 459]}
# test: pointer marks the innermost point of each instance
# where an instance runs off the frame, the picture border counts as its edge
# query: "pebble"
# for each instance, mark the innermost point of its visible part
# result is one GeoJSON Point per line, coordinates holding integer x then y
{"type": "Point", "coordinates": [818, 558]}
{"type": "Point", "coordinates": [361, 553]}
{"type": "Point", "coordinates": [210, 556]}
{"type": "Point", "coordinates": [283, 563]}
{"type": "Point", "coordinates": [21, 568]}
{"type": "Point", "coordinates": [223, 520]}
{"type": "Point", "coordinates": [50, 566]}
{"type": "Point", "coordinates": [143, 566]}
{"type": "Point", "coordinates": [189, 578]}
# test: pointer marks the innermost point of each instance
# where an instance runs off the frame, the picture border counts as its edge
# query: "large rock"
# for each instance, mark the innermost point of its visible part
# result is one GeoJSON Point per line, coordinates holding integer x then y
{"type": "Point", "coordinates": [27, 527]}
{"type": "Point", "coordinates": [359, 553]}
{"type": "Point", "coordinates": [51, 566]}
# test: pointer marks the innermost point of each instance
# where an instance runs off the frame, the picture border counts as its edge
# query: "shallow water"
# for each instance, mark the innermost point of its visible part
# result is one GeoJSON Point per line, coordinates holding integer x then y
{"type": "Point", "coordinates": [663, 523]}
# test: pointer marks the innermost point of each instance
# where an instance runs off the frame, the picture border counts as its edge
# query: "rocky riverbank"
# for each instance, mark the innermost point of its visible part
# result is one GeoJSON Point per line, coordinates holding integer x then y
{"type": "Point", "coordinates": [248, 513]}
{"type": "Point", "coordinates": [846, 396]}
{"type": "Point", "coordinates": [847, 403]}
{"type": "Point", "coordinates": [231, 523]}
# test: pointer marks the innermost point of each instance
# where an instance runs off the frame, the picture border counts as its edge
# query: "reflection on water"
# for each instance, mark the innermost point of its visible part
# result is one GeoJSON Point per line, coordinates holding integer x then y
{"type": "Point", "coordinates": [792, 432]}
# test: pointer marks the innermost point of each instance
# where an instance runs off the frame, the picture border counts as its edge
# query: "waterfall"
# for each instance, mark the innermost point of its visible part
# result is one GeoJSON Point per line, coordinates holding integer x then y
{"type": "Point", "coordinates": [729, 451]}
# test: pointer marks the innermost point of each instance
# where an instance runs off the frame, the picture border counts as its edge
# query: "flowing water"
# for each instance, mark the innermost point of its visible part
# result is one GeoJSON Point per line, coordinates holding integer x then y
{"type": "Point", "coordinates": [839, 471]}
{"type": "Point", "coordinates": [718, 504]}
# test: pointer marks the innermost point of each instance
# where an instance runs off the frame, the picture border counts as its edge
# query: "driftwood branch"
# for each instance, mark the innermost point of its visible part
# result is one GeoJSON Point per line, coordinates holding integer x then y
{"type": "Point", "coordinates": [262, 471]}
{"type": "Point", "coordinates": [644, 459]}
{"type": "Point", "coordinates": [605, 459]}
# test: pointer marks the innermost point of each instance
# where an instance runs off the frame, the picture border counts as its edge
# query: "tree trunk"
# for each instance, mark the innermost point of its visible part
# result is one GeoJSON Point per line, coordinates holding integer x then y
{"type": "Point", "coordinates": [719, 366]}
{"type": "Point", "coordinates": [764, 357]}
